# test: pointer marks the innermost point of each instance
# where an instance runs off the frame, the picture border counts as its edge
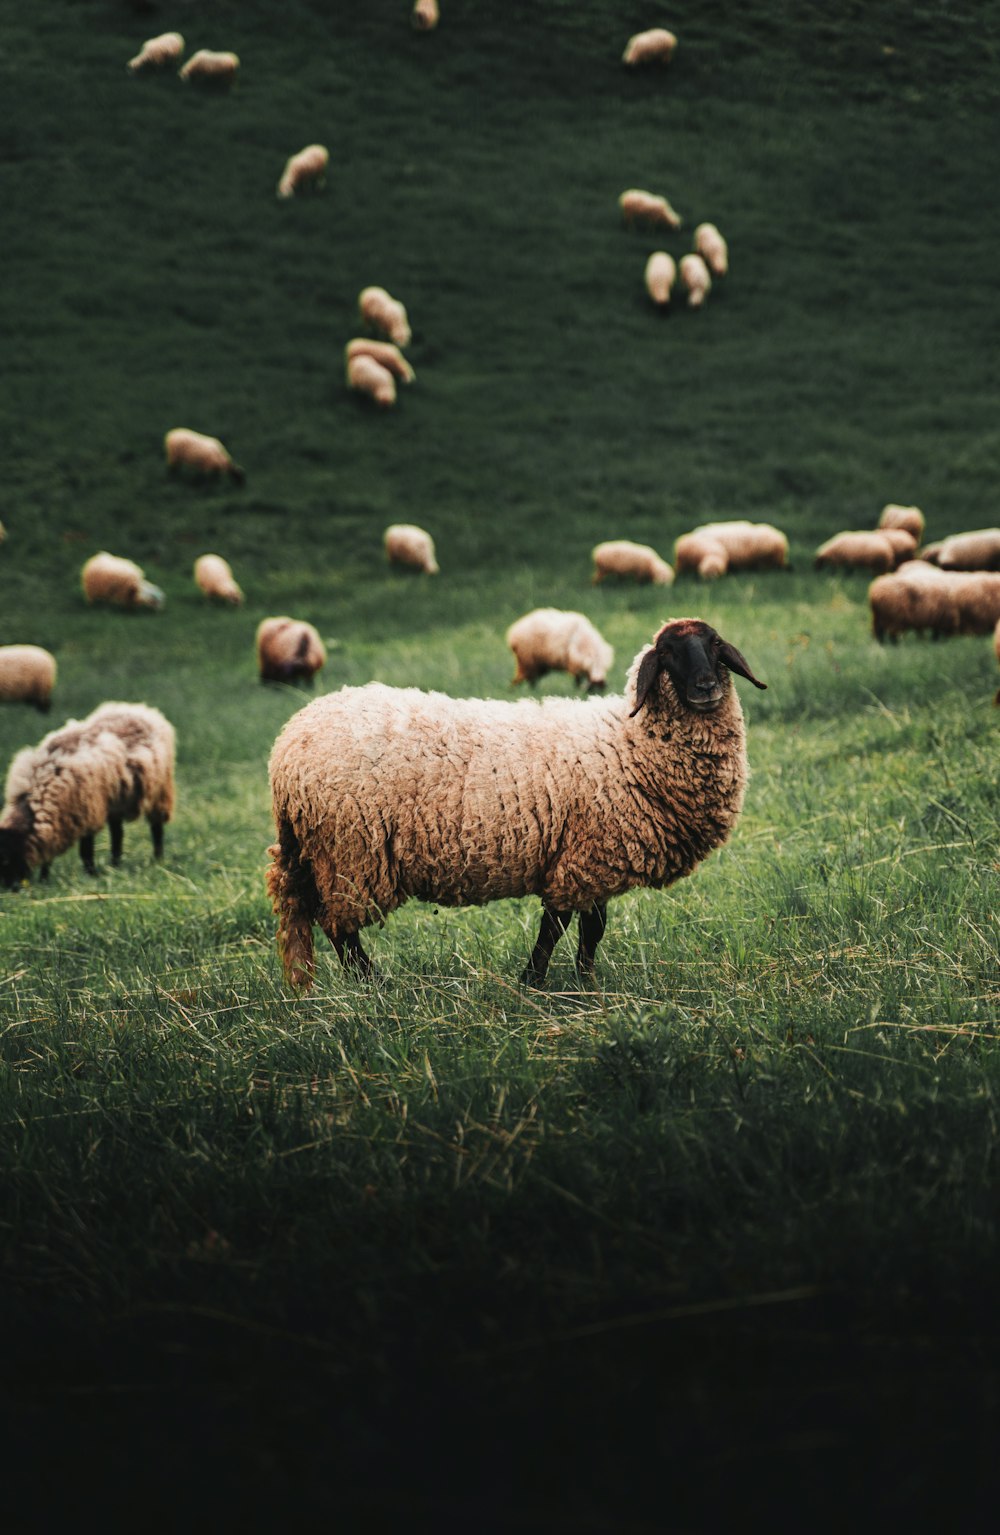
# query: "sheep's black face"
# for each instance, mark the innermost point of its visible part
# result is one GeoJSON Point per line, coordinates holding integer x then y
{"type": "Point", "coordinates": [14, 868]}
{"type": "Point", "coordinates": [697, 660]}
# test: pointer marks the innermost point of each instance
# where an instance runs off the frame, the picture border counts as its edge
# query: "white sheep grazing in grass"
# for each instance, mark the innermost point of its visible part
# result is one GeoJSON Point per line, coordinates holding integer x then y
{"type": "Point", "coordinates": [201, 454]}
{"type": "Point", "coordinates": [697, 279]}
{"type": "Point", "coordinates": [215, 578]}
{"type": "Point", "coordinates": [157, 52]}
{"type": "Point", "coordinates": [406, 544]}
{"type": "Point", "coordinates": [637, 562]}
{"type": "Point", "coordinates": [27, 675]}
{"type": "Point", "coordinates": [425, 15]}
{"type": "Point", "coordinates": [648, 208]}
{"type": "Point", "coordinates": [921, 596]}
{"type": "Point", "coordinates": [700, 554]}
{"type": "Point", "coordinates": [113, 766]}
{"type": "Point", "coordinates": [860, 550]}
{"type": "Point", "coordinates": [712, 248]}
{"type": "Point", "coordinates": [971, 551]}
{"type": "Point", "coordinates": [384, 352]}
{"type": "Point", "coordinates": [385, 314]}
{"type": "Point", "coordinates": [366, 376]}
{"type": "Point", "coordinates": [288, 650]}
{"type": "Point", "coordinates": [306, 168]}
{"type": "Point", "coordinates": [655, 46]}
{"type": "Point", "coordinates": [119, 582]}
{"type": "Point", "coordinates": [556, 640]}
{"type": "Point", "coordinates": [909, 518]}
{"type": "Point", "coordinates": [380, 794]}
{"type": "Point", "coordinates": [211, 68]}
{"type": "Point", "coordinates": [748, 545]}
{"type": "Point", "coordinates": [660, 276]}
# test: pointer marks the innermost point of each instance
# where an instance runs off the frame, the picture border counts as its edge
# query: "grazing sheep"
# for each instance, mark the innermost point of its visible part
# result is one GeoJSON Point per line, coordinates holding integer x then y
{"type": "Point", "coordinates": [385, 353]}
{"type": "Point", "coordinates": [653, 47]}
{"type": "Point", "coordinates": [553, 640]}
{"type": "Point", "coordinates": [211, 68]}
{"type": "Point", "coordinates": [909, 518]}
{"type": "Point", "coordinates": [742, 545]}
{"type": "Point", "coordinates": [621, 557]}
{"type": "Point", "coordinates": [701, 554]}
{"type": "Point", "coordinates": [406, 544]}
{"type": "Point", "coordinates": [930, 552]}
{"type": "Point", "coordinates": [109, 578]}
{"type": "Point", "coordinates": [3, 532]}
{"type": "Point", "coordinates": [640, 207]}
{"type": "Point", "coordinates": [697, 279]}
{"type": "Point", "coordinates": [288, 650]}
{"type": "Point", "coordinates": [203, 455]}
{"type": "Point", "coordinates": [712, 248]}
{"type": "Point", "coordinates": [366, 376]}
{"type": "Point", "coordinates": [977, 600]}
{"type": "Point", "coordinates": [382, 793]}
{"type": "Point", "coordinates": [27, 675]}
{"type": "Point", "coordinates": [213, 574]}
{"type": "Point", "coordinates": [903, 543]}
{"type": "Point", "coordinates": [307, 168]}
{"type": "Point", "coordinates": [386, 314]}
{"type": "Point", "coordinates": [971, 551]}
{"type": "Point", "coordinates": [660, 276]}
{"type": "Point", "coordinates": [858, 551]}
{"type": "Point", "coordinates": [916, 597]}
{"type": "Point", "coordinates": [425, 15]}
{"type": "Point", "coordinates": [113, 766]}
{"type": "Point", "coordinates": [157, 51]}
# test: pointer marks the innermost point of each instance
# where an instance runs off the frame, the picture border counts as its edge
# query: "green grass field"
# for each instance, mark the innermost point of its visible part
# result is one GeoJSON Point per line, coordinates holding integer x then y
{"type": "Point", "coordinates": [715, 1237]}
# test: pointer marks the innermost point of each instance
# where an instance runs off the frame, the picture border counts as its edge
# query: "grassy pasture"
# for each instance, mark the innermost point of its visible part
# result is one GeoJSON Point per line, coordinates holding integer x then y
{"type": "Point", "coordinates": [718, 1233]}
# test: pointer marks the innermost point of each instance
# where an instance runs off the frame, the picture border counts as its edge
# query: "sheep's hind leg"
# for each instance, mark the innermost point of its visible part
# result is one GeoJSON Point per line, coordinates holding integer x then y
{"type": "Point", "coordinates": [87, 852]}
{"type": "Point", "coordinates": [592, 925]}
{"type": "Point", "coordinates": [156, 832]}
{"type": "Point", "coordinates": [350, 953]}
{"type": "Point", "coordinates": [554, 924]}
{"type": "Point", "coordinates": [115, 831]}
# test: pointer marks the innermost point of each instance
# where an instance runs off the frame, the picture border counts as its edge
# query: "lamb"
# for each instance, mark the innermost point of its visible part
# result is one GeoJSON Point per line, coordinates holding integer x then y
{"type": "Point", "coordinates": [203, 455]}
{"type": "Point", "coordinates": [366, 376]}
{"type": "Point", "coordinates": [660, 276]}
{"type": "Point", "coordinates": [119, 582]}
{"type": "Point", "coordinates": [406, 544]}
{"type": "Point", "coordinates": [211, 68]}
{"type": "Point", "coordinates": [653, 47]}
{"type": "Point", "coordinates": [157, 51]}
{"type": "Point", "coordinates": [384, 352]}
{"type": "Point", "coordinates": [697, 279]}
{"type": "Point", "coordinates": [27, 675]}
{"type": "Point", "coordinates": [288, 650]}
{"type": "Point", "coordinates": [553, 640]}
{"type": "Point", "coordinates": [971, 551]}
{"type": "Point", "coordinates": [112, 767]}
{"type": "Point", "coordinates": [382, 793]}
{"type": "Point", "coordinates": [909, 518]}
{"type": "Point", "coordinates": [647, 208]}
{"type": "Point", "coordinates": [385, 314]}
{"type": "Point", "coordinates": [307, 168]}
{"type": "Point", "coordinates": [215, 578]}
{"type": "Point", "coordinates": [858, 551]}
{"type": "Point", "coordinates": [712, 248]}
{"type": "Point", "coordinates": [425, 15]}
{"type": "Point", "coordinates": [621, 557]}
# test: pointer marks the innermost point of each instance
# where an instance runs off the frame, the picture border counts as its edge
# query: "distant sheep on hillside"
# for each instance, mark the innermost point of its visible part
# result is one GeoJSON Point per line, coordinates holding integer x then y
{"type": "Point", "coordinates": [656, 46]}
{"type": "Point", "coordinates": [386, 353]}
{"type": "Point", "coordinates": [157, 52]}
{"type": "Point", "coordinates": [861, 550]}
{"type": "Point", "coordinates": [639, 207]}
{"type": "Point", "coordinates": [909, 518]}
{"type": "Point", "coordinates": [638, 562]}
{"type": "Point", "coordinates": [186, 449]}
{"type": "Point", "coordinates": [697, 279]}
{"type": "Point", "coordinates": [288, 650]}
{"type": "Point", "coordinates": [971, 551]}
{"type": "Point", "coordinates": [119, 582]}
{"type": "Point", "coordinates": [385, 314]}
{"type": "Point", "coordinates": [553, 640]}
{"type": "Point", "coordinates": [660, 276]}
{"type": "Point", "coordinates": [425, 15]}
{"type": "Point", "coordinates": [406, 544]}
{"type": "Point", "coordinates": [215, 578]}
{"type": "Point", "coordinates": [27, 675]}
{"type": "Point", "coordinates": [366, 376]}
{"type": "Point", "coordinates": [210, 68]}
{"type": "Point", "coordinates": [307, 168]}
{"type": "Point", "coordinates": [712, 248]}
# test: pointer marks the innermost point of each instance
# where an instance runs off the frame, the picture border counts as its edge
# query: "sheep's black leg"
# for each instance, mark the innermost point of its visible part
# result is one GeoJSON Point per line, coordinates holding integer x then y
{"type": "Point", "coordinates": [156, 832]}
{"type": "Point", "coordinates": [552, 928]}
{"type": "Point", "coordinates": [351, 955]}
{"type": "Point", "coordinates": [115, 829]}
{"type": "Point", "coordinates": [87, 852]}
{"type": "Point", "coordinates": [592, 925]}
{"type": "Point", "coordinates": [43, 872]}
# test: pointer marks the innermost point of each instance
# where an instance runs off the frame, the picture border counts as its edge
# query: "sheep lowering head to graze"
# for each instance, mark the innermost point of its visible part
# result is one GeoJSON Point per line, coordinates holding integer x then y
{"type": "Point", "coordinates": [208, 67]}
{"type": "Point", "coordinates": [203, 455]}
{"type": "Point", "coordinates": [112, 767]}
{"type": "Point", "coordinates": [386, 353]}
{"type": "Point", "coordinates": [214, 576]}
{"type": "Point", "coordinates": [971, 551]}
{"type": "Point", "coordinates": [860, 550]}
{"type": "Point", "coordinates": [655, 46]}
{"type": "Point", "coordinates": [406, 544]}
{"type": "Point", "coordinates": [368, 377]}
{"type": "Point", "coordinates": [748, 545]}
{"type": "Point", "coordinates": [555, 640]}
{"type": "Point", "coordinates": [425, 15]}
{"type": "Point", "coordinates": [660, 276]}
{"type": "Point", "coordinates": [288, 650]}
{"type": "Point", "coordinates": [702, 555]}
{"type": "Point", "coordinates": [697, 279]}
{"type": "Point", "coordinates": [119, 582]}
{"type": "Point", "coordinates": [712, 248]}
{"type": "Point", "coordinates": [909, 518]}
{"type": "Point", "coordinates": [304, 169]}
{"type": "Point", "coordinates": [385, 314]}
{"type": "Point", "coordinates": [382, 793]}
{"type": "Point", "coordinates": [27, 675]}
{"type": "Point", "coordinates": [157, 51]}
{"type": "Point", "coordinates": [639, 207]}
{"type": "Point", "coordinates": [637, 562]}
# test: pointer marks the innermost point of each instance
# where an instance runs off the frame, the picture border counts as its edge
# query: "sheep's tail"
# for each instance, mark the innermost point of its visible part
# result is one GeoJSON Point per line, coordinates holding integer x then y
{"type": "Point", "coordinates": [292, 889]}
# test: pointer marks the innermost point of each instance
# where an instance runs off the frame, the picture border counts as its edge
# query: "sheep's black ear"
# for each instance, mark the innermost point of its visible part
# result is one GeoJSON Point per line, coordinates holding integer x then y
{"type": "Point", "coordinates": [730, 656]}
{"type": "Point", "coordinates": [649, 669]}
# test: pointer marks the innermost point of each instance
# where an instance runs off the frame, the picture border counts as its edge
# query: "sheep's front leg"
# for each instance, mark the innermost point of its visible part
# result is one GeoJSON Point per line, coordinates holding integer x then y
{"type": "Point", "coordinates": [156, 832]}
{"type": "Point", "coordinates": [351, 955]}
{"type": "Point", "coordinates": [87, 852]}
{"type": "Point", "coordinates": [115, 830]}
{"type": "Point", "coordinates": [553, 926]}
{"type": "Point", "coordinates": [592, 925]}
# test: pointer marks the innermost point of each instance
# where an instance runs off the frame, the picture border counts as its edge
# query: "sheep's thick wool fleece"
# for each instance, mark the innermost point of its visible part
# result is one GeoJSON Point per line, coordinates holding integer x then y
{"type": "Point", "coordinates": [393, 793]}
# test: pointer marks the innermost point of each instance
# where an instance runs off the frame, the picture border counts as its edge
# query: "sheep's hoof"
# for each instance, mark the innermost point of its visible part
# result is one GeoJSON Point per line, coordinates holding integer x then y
{"type": "Point", "coordinates": [531, 978]}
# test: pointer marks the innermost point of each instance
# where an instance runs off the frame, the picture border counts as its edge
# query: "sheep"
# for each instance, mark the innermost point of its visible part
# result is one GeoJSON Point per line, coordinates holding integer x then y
{"type": "Point", "coordinates": [425, 15]}
{"type": "Point", "coordinates": [204, 455]}
{"type": "Point", "coordinates": [119, 582]}
{"type": "Point", "coordinates": [113, 766]}
{"type": "Point", "coordinates": [552, 639]}
{"type": "Point", "coordinates": [977, 600]}
{"type": "Point", "coordinates": [211, 68]}
{"type": "Point", "coordinates": [307, 168]}
{"type": "Point", "coordinates": [621, 557]}
{"type": "Point", "coordinates": [384, 352]}
{"type": "Point", "coordinates": [366, 376]}
{"type": "Point", "coordinates": [156, 52]}
{"type": "Point", "coordinates": [715, 547]}
{"type": "Point", "coordinates": [288, 650]}
{"type": "Point", "coordinates": [215, 578]}
{"type": "Point", "coordinates": [931, 552]}
{"type": "Point", "coordinates": [910, 518]}
{"type": "Point", "coordinates": [647, 208]}
{"type": "Point", "coordinates": [712, 248]}
{"type": "Point", "coordinates": [383, 793]}
{"type": "Point", "coordinates": [858, 550]}
{"type": "Point", "coordinates": [971, 551]}
{"type": "Point", "coordinates": [903, 543]}
{"type": "Point", "coordinates": [697, 279]}
{"type": "Point", "coordinates": [660, 276]}
{"type": "Point", "coordinates": [920, 596]}
{"type": "Point", "coordinates": [383, 313]}
{"type": "Point", "coordinates": [27, 675]}
{"type": "Point", "coordinates": [701, 554]}
{"type": "Point", "coordinates": [406, 544]}
{"type": "Point", "coordinates": [653, 47]}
